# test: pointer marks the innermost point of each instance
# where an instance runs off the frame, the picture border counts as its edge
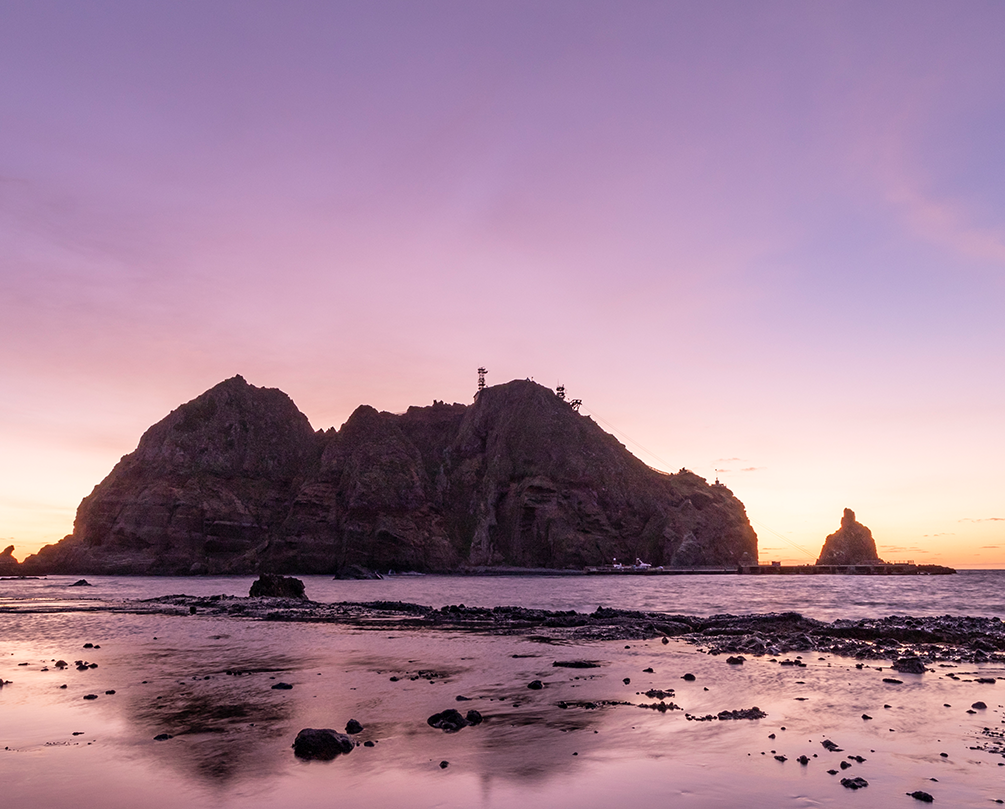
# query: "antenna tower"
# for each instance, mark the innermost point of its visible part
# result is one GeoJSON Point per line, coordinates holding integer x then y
{"type": "Point", "coordinates": [481, 378]}
{"type": "Point", "coordinates": [560, 392]}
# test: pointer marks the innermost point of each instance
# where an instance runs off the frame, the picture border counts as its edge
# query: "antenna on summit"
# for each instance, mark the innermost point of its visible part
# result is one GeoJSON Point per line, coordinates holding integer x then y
{"type": "Point", "coordinates": [481, 379]}
{"type": "Point", "coordinates": [573, 403]}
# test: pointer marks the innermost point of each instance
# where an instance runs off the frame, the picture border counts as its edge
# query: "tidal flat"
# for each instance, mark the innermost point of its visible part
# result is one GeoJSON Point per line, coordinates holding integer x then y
{"type": "Point", "coordinates": [185, 712]}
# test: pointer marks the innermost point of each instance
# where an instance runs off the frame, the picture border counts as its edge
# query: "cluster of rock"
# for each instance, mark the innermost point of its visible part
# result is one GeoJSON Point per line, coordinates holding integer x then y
{"type": "Point", "coordinates": [237, 481]}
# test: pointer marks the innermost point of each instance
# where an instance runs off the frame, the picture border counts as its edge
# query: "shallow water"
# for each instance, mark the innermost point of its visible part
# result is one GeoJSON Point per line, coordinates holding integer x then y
{"type": "Point", "coordinates": [231, 732]}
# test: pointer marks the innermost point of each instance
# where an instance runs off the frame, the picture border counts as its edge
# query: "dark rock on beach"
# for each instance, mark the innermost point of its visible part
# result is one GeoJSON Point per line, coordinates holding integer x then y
{"type": "Point", "coordinates": [919, 795]}
{"type": "Point", "coordinates": [743, 713]}
{"type": "Point", "coordinates": [854, 783]}
{"type": "Point", "coordinates": [321, 744]}
{"type": "Point", "coordinates": [352, 727]}
{"type": "Point", "coordinates": [909, 665]}
{"type": "Point", "coordinates": [451, 720]}
{"type": "Point", "coordinates": [237, 481]}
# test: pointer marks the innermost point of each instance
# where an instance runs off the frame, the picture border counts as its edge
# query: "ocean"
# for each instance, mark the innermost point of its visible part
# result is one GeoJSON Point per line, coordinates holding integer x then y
{"type": "Point", "coordinates": [825, 598]}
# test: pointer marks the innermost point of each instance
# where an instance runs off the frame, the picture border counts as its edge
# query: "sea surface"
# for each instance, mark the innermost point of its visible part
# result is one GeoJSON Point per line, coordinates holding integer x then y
{"type": "Point", "coordinates": [826, 598]}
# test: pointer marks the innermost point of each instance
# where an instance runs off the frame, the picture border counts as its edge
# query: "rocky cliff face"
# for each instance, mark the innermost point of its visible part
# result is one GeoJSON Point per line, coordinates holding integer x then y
{"type": "Point", "coordinates": [851, 544]}
{"type": "Point", "coordinates": [237, 481]}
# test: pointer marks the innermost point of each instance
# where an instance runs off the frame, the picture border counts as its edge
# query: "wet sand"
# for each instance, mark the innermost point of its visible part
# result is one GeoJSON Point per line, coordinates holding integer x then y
{"type": "Point", "coordinates": [582, 740]}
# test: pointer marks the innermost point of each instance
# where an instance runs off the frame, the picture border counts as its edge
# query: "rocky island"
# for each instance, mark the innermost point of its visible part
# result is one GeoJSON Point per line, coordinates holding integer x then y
{"type": "Point", "coordinates": [237, 481]}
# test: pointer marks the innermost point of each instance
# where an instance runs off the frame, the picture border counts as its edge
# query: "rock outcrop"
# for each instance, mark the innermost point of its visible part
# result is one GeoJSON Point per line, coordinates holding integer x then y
{"type": "Point", "coordinates": [8, 564]}
{"type": "Point", "coordinates": [269, 585]}
{"type": "Point", "coordinates": [851, 544]}
{"type": "Point", "coordinates": [236, 481]}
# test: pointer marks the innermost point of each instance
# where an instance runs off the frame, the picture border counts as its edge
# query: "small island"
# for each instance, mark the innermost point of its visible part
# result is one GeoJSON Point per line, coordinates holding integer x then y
{"type": "Point", "coordinates": [851, 550]}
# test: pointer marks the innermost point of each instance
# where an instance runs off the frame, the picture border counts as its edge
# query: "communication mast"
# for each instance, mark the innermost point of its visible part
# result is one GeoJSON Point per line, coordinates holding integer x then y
{"type": "Point", "coordinates": [574, 403]}
{"type": "Point", "coordinates": [481, 378]}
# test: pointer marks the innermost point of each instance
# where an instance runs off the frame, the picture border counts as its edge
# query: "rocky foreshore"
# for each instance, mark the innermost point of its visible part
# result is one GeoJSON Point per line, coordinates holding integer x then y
{"type": "Point", "coordinates": [917, 642]}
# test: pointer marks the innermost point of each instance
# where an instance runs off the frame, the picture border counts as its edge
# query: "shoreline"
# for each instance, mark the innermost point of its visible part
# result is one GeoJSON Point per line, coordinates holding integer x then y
{"type": "Point", "coordinates": [927, 640]}
{"type": "Point", "coordinates": [578, 709]}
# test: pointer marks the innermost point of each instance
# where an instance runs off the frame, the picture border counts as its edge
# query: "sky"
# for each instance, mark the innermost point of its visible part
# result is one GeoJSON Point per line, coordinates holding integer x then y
{"type": "Point", "coordinates": [762, 241]}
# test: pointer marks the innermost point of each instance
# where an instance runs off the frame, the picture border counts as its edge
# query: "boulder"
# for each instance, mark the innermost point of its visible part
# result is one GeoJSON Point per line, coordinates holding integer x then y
{"type": "Point", "coordinates": [277, 587]}
{"type": "Point", "coordinates": [321, 744]}
{"type": "Point", "coordinates": [909, 665]}
{"type": "Point", "coordinates": [451, 720]}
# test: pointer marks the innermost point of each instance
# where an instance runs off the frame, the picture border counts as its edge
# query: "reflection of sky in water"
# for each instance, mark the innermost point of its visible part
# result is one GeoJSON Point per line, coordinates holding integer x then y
{"type": "Point", "coordinates": [970, 592]}
{"type": "Point", "coordinates": [232, 732]}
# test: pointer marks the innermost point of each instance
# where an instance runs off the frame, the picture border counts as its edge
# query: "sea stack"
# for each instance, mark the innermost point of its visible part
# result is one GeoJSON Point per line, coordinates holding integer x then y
{"type": "Point", "coordinates": [851, 544]}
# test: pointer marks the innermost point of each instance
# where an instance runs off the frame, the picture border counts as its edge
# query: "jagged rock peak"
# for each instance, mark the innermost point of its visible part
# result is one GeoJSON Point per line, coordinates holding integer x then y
{"type": "Point", "coordinates": [232, 428]}
{"type": "Point", "coordinates": [851, 544]}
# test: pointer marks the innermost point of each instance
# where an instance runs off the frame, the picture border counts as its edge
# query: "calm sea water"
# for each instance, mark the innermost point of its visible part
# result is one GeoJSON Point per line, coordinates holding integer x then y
{"type": "Point", "coordinates": [971, 592]}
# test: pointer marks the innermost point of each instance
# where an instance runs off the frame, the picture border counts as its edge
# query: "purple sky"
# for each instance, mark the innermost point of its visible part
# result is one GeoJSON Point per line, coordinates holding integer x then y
{"type": "Point", "coordinates": [764, 238]}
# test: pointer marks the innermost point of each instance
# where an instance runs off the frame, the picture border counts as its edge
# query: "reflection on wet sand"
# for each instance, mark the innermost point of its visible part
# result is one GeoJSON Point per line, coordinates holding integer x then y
{"type": "Point", "coordinates": [208, 685]}
{"type": "Point", "coordinates": [211, 709]}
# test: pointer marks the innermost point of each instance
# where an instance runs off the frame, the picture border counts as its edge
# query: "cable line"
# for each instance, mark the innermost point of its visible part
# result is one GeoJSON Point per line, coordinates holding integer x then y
{"type": "Point", "coordinates": [651, 454]}
{"type": "Point", "coordinates": [614, 429]}
{"type": "Point", "coordinates": [784, 539]}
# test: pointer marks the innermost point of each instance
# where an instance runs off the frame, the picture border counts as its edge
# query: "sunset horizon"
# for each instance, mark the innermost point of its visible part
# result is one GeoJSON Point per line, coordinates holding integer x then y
{"type": "Point", "coordinates": [764, 241]}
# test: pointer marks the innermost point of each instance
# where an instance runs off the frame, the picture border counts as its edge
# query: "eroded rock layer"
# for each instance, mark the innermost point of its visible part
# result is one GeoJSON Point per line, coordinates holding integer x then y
{"type": "Point", "coordinates": [236, 481]}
